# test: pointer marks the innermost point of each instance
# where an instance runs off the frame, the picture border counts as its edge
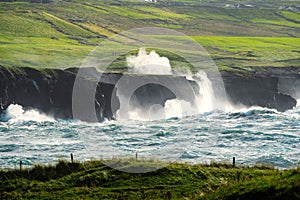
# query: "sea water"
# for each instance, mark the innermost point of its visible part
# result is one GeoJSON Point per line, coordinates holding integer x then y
{"type": "Point", "coordinates": [253, 135]}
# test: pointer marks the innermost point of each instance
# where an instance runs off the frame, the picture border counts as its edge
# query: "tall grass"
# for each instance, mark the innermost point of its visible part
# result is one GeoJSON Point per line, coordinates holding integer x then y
{"type": "Point", "coordinates": [93, 179]}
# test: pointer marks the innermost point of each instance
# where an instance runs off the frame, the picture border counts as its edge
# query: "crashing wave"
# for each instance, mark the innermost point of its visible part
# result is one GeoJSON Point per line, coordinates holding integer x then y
{"type": "Point", "coordinates": [15, 114]}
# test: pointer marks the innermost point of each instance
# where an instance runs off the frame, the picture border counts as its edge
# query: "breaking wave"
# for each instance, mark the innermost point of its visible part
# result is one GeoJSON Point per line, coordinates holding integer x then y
{"type": "Point", "coordinates": [15, 114]}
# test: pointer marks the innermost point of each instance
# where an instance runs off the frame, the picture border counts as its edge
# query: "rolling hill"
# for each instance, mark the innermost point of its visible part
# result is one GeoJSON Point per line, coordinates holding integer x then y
{"type": "Point", "coordinates": [59, 34]}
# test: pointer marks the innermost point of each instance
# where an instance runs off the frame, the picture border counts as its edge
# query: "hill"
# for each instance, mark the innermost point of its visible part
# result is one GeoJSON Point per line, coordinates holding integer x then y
{"type": "Point", "coordinates": [60, 34]}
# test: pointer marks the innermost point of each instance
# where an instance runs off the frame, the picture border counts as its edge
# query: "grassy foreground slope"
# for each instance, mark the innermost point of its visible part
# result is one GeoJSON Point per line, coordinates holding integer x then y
{"type": "Point", "coordinates": [61, 34]}
{"type": "Point", "coordinates": [94, 180]}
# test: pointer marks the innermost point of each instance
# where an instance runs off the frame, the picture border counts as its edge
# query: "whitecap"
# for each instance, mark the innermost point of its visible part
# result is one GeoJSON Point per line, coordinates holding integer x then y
{"type": "Point", "coordinates": [15, 114]}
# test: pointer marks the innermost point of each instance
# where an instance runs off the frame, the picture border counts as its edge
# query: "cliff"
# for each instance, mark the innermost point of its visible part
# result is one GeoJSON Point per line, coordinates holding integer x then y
{"type": "Point", "coordinates": [276, 88]}
{"type": "Point", "coordinates": [51, 91]}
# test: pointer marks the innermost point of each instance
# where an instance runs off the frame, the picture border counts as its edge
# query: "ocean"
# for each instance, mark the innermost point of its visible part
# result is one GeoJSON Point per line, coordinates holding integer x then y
{"type": "Point", "coordinates": [252, 135]}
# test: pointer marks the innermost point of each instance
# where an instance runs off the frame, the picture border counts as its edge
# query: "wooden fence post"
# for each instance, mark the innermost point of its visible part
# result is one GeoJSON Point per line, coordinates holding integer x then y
{"type": "Point", "coordinates": [233, 162]}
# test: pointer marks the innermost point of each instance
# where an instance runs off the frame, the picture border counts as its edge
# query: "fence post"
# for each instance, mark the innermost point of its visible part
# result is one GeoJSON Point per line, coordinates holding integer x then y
{"type": "Point", "coordinates": [72, 157]}
{"type": "Point", "coordinates": [20, 164]}
{"type": "Point", "coordinates": [233, 162]}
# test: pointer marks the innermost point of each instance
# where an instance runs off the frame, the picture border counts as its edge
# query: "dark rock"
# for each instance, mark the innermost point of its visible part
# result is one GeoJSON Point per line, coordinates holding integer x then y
{"type": "Point", "coordinates": [257, 91]}
{"type": "Point", "coordinates": [52, 92]}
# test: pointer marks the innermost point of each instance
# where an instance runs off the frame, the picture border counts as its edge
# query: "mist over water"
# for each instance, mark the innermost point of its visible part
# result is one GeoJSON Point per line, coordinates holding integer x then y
{"type": "Point", "coordinates": [154, 64]}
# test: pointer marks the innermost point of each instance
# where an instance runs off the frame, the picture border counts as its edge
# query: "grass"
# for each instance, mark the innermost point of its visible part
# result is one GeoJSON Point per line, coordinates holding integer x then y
{"type": "Point", "coordinates": [245, 52]}
{"type": "Point", "coordinates": [236, 53]}
{"type": "Point", "coordinates": [163, 13]}
{"type": "Point", "coordinates": [291, 15]}
{"type": "Point", "coordinates": [24, 25]}
{"type": "Point", "coordinates": [62, 34]}
{"type": "Point", "coordinates": [251, 51]}
{"type": "Point", "coordinates": [65, 26]}
{"type": "Point", "coordinates": [93, 179]}
{"type": "Point", "coordinates": [41, 52]}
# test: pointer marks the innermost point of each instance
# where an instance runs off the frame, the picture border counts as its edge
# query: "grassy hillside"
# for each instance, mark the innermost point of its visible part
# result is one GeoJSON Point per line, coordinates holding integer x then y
{"type": "Point", "coordinates": [93, 179]}
{"type": "Point", "coordinates": [60, 34]}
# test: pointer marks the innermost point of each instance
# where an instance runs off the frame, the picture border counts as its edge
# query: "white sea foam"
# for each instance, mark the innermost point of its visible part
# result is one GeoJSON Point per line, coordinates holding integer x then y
{"type": "Point", "coordinates": [177, 108]}
{"type": "Point", "coordinates": [15, 114]}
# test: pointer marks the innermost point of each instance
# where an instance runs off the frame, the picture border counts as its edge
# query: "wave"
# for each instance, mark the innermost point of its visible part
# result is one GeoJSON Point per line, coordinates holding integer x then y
{"type": "Point", "coordinates": [15, 114]}
{"type": "Point", "coordinates": [252, 112]}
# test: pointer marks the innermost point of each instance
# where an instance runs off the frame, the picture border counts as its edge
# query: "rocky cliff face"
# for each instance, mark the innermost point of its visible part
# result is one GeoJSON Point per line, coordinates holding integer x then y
{"type": "Point", "coordinates": [52, 92]}
{"type": "Point", "coordinates": [258, 91]}
{"type": "Point", "coordinates": [290, 85]}
{"type": "Point", "coordinates": [271, 87]}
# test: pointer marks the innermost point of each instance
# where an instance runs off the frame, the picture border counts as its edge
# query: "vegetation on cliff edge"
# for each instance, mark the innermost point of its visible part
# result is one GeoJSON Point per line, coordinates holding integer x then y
{"type": "Point", "coordinates": [93, 179]}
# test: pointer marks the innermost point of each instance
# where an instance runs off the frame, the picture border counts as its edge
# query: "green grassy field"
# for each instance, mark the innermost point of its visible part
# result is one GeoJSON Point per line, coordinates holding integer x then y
{"type": "Point", "coordinates": [93, 179]}
{"type": "Point", "coordinates": [62, 34]}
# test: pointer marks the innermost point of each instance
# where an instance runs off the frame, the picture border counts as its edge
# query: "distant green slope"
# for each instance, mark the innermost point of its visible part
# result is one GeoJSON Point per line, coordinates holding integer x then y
{"type": "Point", "coordinates": [61, 34]}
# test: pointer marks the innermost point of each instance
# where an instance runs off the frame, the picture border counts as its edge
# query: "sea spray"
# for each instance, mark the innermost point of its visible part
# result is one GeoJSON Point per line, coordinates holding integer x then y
{"type": "Point", "coordinates": [150, 63]}
{"type": "Point", "coordinates": [15, 114]}
{"type": "Point", "coordinates": [177, 108]}
{"type": "Point", "coordinates": [206, 97]}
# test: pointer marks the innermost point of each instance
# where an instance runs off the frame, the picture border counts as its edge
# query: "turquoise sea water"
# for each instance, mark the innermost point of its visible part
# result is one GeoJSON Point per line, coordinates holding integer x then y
{"type": "Point", "coordinates": [253, 135]}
